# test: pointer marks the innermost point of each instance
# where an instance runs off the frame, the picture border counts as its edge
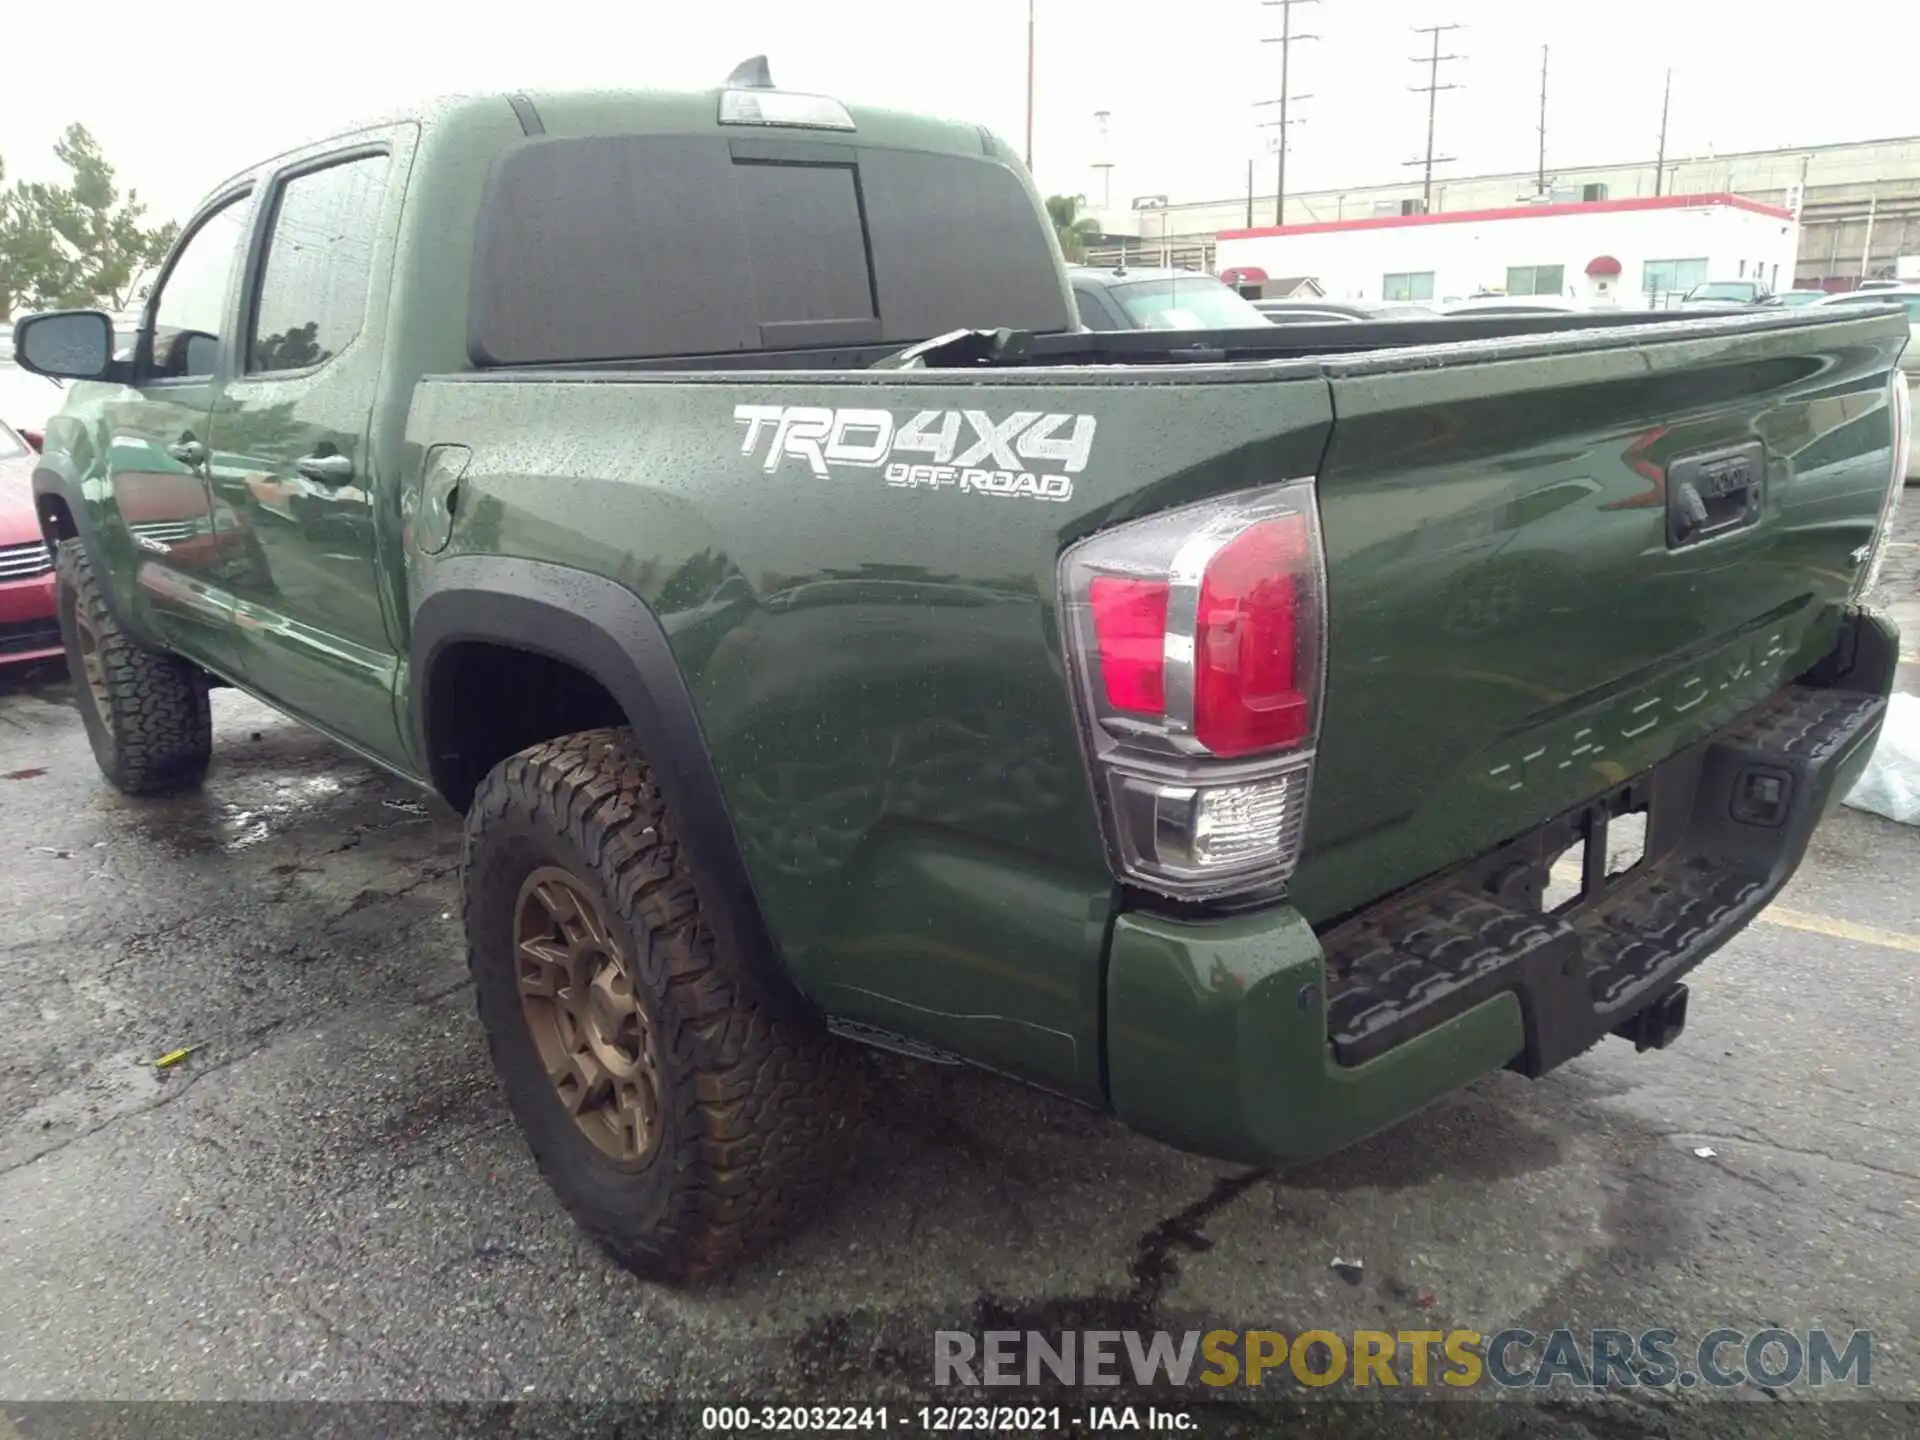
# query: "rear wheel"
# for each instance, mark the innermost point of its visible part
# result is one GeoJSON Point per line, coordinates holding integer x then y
{"type": "Point", "coordinates": [683, 1113]}
{"type": "Point", "coordinates": [145, 711]}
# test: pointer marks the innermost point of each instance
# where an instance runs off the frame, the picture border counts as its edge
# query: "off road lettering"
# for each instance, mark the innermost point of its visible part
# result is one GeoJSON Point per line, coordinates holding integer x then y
{"type": "Point", "coordinates": [1026, 454]}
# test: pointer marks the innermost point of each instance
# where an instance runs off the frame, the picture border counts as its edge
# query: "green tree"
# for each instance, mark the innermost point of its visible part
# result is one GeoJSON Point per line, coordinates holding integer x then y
{"type": "Point", "coordinates": [78, 245]}
{"type": "Point", "coordinates": [1074, 228]}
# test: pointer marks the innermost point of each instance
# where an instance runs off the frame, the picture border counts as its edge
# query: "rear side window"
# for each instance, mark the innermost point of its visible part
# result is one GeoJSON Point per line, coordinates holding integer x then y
{"type": "Point", "coordinates": [812, 265]}
{"type": "Point", "coordinates": [313, 291]}
{"type": "Point", "coordinates": [641, 247]}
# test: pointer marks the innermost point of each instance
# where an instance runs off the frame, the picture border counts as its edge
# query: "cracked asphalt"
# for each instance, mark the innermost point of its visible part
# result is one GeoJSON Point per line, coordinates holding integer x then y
{"type": "Point", "coordinates": [327, 1201]}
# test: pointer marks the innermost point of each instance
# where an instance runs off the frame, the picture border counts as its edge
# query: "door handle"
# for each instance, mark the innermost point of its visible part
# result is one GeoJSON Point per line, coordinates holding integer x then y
{"type": "Point", "coordinates": [189, 452]}
{"type": "Point", "coordinates": [328, 469]}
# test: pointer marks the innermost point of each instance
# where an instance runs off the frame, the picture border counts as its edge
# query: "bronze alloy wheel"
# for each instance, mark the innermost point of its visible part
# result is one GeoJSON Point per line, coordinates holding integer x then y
{"type": "Point", "coordinates": [576, 988]}
{"type": "Point", "coordinates": [692, 1127]}
{"type": "Point", "coordinates": [93, 665]}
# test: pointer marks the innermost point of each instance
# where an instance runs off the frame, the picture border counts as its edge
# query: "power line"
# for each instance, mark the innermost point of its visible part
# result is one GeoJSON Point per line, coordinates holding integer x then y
{"type": "Point", "coordinates": [1285, 40]}
{"type": "Point", "coordinates": [1432, 90]}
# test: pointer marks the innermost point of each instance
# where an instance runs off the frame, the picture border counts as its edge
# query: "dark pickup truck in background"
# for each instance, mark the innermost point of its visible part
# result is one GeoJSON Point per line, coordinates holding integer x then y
{"type": "Point", "coordinates": [714, 498]}
{"type": "Point", "coordinates": [1127, 298]}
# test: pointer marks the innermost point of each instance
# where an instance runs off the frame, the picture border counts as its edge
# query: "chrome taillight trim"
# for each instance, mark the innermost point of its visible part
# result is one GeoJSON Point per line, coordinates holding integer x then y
{"type": "Point", "coordinates": [1116, 748]}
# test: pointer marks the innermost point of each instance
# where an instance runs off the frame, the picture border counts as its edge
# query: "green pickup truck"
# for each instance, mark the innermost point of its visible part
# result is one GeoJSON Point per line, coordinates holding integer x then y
{"type": "Point", "coordinates": [831, 643]}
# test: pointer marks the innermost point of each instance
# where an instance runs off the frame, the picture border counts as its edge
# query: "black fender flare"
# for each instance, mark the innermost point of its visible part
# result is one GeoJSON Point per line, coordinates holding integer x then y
{"type": "Point", "coordinates": [48, 483]}
{"type": "Point", "coordinates": [603, 629]}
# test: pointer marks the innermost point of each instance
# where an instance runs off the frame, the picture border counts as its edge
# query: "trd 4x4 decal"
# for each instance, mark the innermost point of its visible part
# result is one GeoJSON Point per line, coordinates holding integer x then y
{"type": "Point", "coordinates": [1027, 453]}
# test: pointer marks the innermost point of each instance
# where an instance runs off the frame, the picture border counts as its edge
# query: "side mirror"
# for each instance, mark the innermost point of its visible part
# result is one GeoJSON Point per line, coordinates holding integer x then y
{"type": "Point", "coordinates": [202, 352]}
{"type": "Point", "coordinates": [184, 354]}
{"type": "Point", "coordinates": [65, 345]}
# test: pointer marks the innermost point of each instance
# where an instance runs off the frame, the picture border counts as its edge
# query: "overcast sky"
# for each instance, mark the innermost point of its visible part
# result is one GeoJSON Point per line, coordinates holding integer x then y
{"type": "Point", "coordinates": [183, 92]}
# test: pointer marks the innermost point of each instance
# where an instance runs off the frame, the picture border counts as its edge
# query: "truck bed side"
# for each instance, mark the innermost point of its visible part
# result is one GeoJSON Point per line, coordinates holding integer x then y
{"type": "Point", "coordinates": [874, 656]}
{"type": "Point", "coordinates": [872, 644]}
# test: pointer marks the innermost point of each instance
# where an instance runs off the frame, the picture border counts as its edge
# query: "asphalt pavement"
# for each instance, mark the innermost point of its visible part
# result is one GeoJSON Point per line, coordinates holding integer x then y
{"type": "Point", "coordinates": [326, 1199]}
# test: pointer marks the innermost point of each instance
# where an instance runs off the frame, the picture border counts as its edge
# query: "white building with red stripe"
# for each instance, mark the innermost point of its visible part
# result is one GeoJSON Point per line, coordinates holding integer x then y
{"type": "Point", "coordinates": [1607, 252]}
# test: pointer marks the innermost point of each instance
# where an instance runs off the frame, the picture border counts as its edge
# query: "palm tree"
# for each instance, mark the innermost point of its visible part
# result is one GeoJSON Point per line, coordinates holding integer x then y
{"type": "Point", "coordinates": [1073, 228]}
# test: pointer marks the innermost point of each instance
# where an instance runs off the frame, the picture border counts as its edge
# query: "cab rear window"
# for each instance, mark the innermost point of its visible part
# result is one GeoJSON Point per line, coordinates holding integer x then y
{"type": "Point", "coordinates": [648, 247]}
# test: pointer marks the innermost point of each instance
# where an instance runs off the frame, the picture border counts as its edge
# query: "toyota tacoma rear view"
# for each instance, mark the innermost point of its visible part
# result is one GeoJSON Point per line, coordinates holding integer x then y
{"type": "Point", "coordinates": [1255, 732]}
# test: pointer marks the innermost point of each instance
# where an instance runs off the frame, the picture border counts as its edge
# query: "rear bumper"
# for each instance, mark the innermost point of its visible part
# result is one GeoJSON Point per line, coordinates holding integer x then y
{"type": "Point", "coordinates": [1253, 1039]}
{"type": "Point", "coordinates": [29, 621]}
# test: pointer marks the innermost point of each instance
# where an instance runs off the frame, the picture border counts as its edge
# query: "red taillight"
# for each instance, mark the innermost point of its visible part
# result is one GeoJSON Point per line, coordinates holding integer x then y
{"type": "Point", "coordinates": [35, 439]}
{"type": "Point", "coordinates": [1195, 638]}
{"type": "Point", "coordinates": [1246, 691]}
{"type": "Point", "coordinates": [1130, 628]}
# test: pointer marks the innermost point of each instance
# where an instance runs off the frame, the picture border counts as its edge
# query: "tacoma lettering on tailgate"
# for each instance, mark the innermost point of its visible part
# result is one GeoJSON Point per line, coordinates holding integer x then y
{"type": "Point", "coordinates": [1741, 677]}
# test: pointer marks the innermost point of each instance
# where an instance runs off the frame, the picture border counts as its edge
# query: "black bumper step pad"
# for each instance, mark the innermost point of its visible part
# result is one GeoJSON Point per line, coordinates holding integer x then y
{"type": "Point", "coordinates": [1729, 819]}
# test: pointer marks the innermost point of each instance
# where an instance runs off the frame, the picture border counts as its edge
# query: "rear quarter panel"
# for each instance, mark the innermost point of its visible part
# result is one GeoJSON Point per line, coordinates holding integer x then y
{"type": "Point", "coordinates": [877, 667]}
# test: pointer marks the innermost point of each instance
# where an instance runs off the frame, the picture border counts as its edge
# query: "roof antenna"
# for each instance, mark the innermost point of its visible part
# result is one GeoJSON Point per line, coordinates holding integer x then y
{"type": "Point", "coordinates": [751, 75]}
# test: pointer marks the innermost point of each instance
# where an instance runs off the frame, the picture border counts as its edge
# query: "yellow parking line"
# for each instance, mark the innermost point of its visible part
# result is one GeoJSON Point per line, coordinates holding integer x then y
{"type": "Point", "coordinates": [1840, 929]}
{"type": "Point", "coordinates": [1813, 924]}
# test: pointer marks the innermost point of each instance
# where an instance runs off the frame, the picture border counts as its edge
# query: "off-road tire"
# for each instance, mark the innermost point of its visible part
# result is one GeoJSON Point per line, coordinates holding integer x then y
{"type": "Point", "coordinates": [147, 718]}
{"type": "Point", "coordinates": [759, 1106]}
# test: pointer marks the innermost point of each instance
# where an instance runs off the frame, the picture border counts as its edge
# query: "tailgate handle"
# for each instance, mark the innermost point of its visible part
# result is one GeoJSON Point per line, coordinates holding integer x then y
{"type": "Point", "coordinates": [1714, 494]}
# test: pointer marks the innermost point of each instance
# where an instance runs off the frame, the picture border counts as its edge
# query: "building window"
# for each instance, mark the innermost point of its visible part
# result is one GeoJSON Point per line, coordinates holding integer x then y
{"type": "Point", "coordinates": [1536, 279]}
{"type": "Point", "coordinates": [1664, 277]}
{"type": "Point", "coordinates": [1407, 285]}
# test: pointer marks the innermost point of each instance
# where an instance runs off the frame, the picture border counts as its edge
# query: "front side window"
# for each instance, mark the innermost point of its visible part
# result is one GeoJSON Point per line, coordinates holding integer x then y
{"type": "Point", "coordinates": [1407, 285]}
{"type": "Point", "coordinates": [313, 288]}
{"type": "Point", "coordinates": [190, 312]}
{"type": "Point", "coordinates": [1536, 279]}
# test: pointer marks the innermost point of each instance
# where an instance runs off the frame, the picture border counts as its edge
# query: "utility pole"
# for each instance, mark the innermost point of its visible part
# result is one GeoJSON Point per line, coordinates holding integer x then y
{"type": "Point", "coordinates": [1541, 182]}
{"type": "Point", "coordinates": [1432, 90]}
{"type": "Point", "coordinates": [1660, 165]}
{"type": "Point", "coordinates": [1105, 163]}
{"type": "Point", "coordinates": [1866, 247]}
{"type": "Point", "coordinates": [1285, 40]}
{"type": "Point", "coordinates": [1030, 5]}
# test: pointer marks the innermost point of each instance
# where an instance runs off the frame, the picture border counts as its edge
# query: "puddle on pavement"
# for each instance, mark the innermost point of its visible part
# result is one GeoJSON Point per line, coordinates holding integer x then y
{"type": "Point", "coordinates": [237, 813]}
{"type": "Point", "coordinates": [250, 822]}
{"type": "Point", "coordinates": [121, 1084]}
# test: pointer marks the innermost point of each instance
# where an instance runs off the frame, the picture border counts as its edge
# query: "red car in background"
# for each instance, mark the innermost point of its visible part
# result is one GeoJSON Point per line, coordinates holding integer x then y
{"type": "Point", "coordinates": [29, 624]}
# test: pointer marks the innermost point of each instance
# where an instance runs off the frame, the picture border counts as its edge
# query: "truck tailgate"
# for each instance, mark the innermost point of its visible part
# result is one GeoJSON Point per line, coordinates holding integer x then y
{"type": "Point", "coordinates": [1552, 563]}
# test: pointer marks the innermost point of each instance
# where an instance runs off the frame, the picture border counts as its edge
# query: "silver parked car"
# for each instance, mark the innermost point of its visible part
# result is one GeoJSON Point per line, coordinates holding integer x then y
{"type": "Point", "coordinates": [1907, 294]}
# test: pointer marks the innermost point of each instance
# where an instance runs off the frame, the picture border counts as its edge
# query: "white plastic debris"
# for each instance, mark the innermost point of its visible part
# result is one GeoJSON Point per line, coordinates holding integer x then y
{"type": "Point", "coordinates": [1705, 1152]}
{"type": "Point", "coordinates": [1890, 785]}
